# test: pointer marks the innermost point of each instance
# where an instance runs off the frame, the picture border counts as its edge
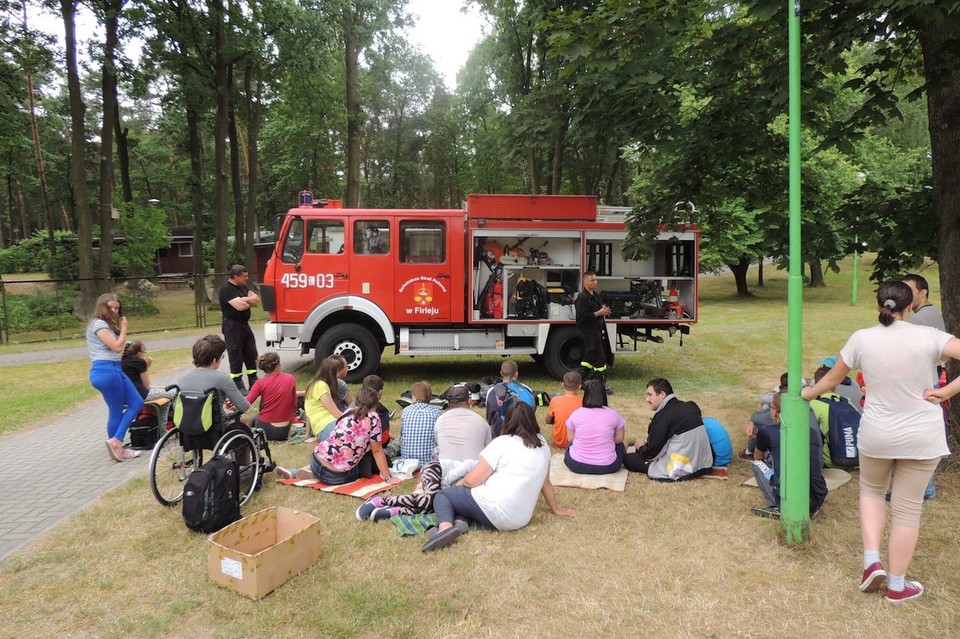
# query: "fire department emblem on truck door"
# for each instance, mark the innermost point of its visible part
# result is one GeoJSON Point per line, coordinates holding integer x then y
{"type": "Point", "coordinates": [423, 294]}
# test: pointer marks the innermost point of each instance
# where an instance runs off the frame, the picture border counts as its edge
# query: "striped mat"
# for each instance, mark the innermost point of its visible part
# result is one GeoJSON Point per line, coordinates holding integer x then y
{"type": "Point", "coordinates": [410, 525]}
{"type": "Point", "coordinates": [361, 488]}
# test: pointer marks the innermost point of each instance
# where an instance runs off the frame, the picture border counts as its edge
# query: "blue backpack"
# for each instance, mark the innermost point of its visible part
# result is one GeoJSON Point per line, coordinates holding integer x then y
{"type": "Point", "coordinates": [841, 438]}
{"type": "Point", "coordinates": [500, 398]}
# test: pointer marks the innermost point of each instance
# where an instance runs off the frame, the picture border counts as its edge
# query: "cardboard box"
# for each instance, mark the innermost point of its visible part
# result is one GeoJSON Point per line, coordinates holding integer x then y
{"type": "Point", "coordinates": [259, 553]}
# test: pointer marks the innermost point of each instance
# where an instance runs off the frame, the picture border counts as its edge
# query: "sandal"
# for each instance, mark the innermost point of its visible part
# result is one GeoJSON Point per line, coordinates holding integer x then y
{"type": "Point", "coordinates": [442, 539]}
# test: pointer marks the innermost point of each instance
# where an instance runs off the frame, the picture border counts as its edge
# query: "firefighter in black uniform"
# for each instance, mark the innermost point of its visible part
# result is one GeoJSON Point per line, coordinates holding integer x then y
{"type": "Point", "coordinates": [235, 303]}
{"type": "Point", "coordinates": [590, 313]}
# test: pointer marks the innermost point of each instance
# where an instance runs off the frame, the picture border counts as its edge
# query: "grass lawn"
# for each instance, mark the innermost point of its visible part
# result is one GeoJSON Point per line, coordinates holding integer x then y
{"type": "Point", "coordinates": [683, 560]}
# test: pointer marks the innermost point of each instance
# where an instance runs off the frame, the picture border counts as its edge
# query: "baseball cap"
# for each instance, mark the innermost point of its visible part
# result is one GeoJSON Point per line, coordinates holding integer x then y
{"type": "Point", "coordinates": [457, 395]}
{"type": "Point", "coordinates": [829, 361]}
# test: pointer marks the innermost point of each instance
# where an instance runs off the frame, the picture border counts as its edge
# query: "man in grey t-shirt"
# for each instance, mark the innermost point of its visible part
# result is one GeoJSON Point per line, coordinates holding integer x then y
{"type": "Point", "coordinates": [460, 432]}
{"type": "Point", "coordinates": [925, 314]}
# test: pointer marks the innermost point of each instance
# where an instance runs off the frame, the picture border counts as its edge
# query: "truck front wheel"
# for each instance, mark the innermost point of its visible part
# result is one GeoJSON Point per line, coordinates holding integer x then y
{"type": "Point", "coordinates": [356, 344]}
{"type": "Point", "coordinates": [564, 351]}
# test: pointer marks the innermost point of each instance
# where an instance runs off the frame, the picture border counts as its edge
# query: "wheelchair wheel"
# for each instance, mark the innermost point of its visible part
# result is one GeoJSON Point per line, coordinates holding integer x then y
{"type": "Point", "coordinates": [170, 466]}
{"type": "Point", "coordinates": [239, 447]}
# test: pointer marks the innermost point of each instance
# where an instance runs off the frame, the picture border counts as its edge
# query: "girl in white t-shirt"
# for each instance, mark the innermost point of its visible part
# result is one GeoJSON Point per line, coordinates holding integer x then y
{"type": "Point", "coordinates": [501, 491]}
{"type": "Point", "coordinates": [901, 437]}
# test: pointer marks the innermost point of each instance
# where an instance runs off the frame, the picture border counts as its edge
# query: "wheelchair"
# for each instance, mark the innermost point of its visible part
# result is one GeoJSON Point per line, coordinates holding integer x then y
{"type": "Point", "coordinates": [198, 427]}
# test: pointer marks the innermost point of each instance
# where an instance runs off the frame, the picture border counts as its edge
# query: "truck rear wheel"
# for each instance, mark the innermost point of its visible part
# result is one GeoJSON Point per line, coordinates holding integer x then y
{"type": "Point", "coordinates": [356, 344]}
{"type": "Point", "coordinates": [564, 351]}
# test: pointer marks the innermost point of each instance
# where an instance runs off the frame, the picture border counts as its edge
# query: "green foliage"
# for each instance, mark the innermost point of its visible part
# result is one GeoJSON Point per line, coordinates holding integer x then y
{"type": "Point", "coordinates": [209, 246]}
{"type": "Point", "coordinates": [144, 230]}
{"type": "Point", "coordinates": [43, 311]}
{"type": "Point", "coordinates": [32, 255]}
{"type": "Point", "coordinates": [137, 302]}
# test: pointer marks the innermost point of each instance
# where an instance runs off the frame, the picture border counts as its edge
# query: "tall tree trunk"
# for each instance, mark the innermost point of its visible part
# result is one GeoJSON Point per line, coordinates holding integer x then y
{"type": "Point", "coordinates": [254, 113]}
{"type": "Point", "coordinates": [196, 200]}
{"type": "Point", "coordinates": [559, 147]}
{"type": "Point", "coordinates": [3, 232]}
{"type": "Point", "coordinates": [25, 211]}
{"type": "Point", "coordinates": [108, 93]}
{"type": "Point", "coordinates": [78, 173]}
{"type": "Point", "coordinates": [816, 275]}
{"type": "Point", "coordinates": [123, 154]}
{"type": "Point", "coordinates": [38, 152]}
{"type": "Point", "coordinates": [352, 63]}
{"type": "Point", "coordinates": [14, 211]}
{"type": "Point", "coordinates": [535, 168]}
{"type": "Point", "coordinates": [943, 114]}
{"type": "Point", "coordinates": [739, 271]}
{"type": "Point", "coordinates": [236, 183]}
{"type": "Point", "coordinates": [760, 272]}
{"type": "Point", "coordinates": [220, 126]}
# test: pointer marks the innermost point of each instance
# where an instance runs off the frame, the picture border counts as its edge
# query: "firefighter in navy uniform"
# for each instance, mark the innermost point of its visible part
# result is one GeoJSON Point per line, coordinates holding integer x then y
{"type": "Point", "coordinates": [235, 303]}
{"type": "Point", "coordinates": [590, 313]}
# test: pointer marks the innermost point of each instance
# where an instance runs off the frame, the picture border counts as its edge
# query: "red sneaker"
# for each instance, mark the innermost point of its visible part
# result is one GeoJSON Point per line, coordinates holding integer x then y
{"type": "Point", "coordinates": [911, 590]}
{"type": "Point", "coordinates": [873, 577]}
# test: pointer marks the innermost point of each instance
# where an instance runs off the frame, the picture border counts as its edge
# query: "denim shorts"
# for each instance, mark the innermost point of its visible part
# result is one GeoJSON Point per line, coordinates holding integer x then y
{"type": "Point", "coordinates": [332, 477]}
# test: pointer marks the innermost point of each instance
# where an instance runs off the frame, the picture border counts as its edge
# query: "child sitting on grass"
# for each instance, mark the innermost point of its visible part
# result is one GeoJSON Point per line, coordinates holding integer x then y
{"type": "Point", "coordinates": [417, 423]}
{"type": "Point", "coordinates": [768, 463]}
{"type": "Point", "coordinates": [562, 406]}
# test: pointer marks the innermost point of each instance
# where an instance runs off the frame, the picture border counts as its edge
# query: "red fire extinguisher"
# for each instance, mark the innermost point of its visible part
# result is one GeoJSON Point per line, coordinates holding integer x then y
{"type": "Point", "coordinates": [493, 304]}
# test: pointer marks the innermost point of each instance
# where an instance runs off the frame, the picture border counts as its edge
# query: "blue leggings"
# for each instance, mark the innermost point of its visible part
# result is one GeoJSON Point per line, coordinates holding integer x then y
{"type": "Point", "coordinates": [122, 398]}
{"type": "Point", "coordinates": [456, 501]}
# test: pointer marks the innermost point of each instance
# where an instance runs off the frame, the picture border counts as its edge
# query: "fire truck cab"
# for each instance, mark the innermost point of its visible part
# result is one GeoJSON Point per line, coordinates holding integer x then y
{"type": "Point", "coordinates": [498, 277]}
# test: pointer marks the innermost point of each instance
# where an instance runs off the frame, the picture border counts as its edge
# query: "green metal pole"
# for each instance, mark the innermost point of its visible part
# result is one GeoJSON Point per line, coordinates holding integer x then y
{"type": "Point", "coordinates": [795, 429]}
{"type": "Point", "coordinates": [856, 270]}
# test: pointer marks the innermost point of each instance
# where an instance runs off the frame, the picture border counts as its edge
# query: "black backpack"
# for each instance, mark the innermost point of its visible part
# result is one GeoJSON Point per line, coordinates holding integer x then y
{"type": "Point", "coordinates": [841, 438]}
{"type": "Point", "coordinates": [211, 496]}
{"type": "Point", "coordinates": [145, 429]}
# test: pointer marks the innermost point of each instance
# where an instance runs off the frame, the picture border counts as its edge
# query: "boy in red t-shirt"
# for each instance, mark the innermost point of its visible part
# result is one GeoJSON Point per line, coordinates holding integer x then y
{"type": "Point", "coordinates": [562, 406]}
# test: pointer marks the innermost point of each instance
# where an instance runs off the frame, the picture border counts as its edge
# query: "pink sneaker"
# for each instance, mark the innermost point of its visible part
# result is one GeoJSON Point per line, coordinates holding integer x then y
{"type": "Point", "coordinates": [911, 590]}
{"type": "Point", "coordinates": [873, 577]}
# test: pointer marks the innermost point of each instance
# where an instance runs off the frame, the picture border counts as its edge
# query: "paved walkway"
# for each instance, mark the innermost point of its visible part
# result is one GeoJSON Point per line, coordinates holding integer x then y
{"type": "Point", "coordinates": [31, 507]}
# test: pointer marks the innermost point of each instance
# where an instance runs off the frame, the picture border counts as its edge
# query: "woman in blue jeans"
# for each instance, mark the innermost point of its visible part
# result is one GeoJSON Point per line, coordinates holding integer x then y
{"type": "Point", "coordinates": [502, 489]}
{"type": "Point", "coordinates": [106, 335]}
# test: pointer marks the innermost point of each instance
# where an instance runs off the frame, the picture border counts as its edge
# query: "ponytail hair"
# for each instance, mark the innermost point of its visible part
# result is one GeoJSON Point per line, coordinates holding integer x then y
{"type": "Point", "coordinates": [367, 400]}
{"type": "Point", "coordinates": [268, 362]}
{"type": "Point", "coordinates": [132, 348]}
{"type": "Point", "coordinates": [893, 297]}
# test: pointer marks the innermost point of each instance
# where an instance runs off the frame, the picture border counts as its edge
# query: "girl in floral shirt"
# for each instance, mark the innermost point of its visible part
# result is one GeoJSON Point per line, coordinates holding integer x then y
{"type": "Point", "coordinates": [336, 459]}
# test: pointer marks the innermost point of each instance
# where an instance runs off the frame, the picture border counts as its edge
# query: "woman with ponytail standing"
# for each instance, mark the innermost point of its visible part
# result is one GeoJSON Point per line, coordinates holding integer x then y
{"type": "Point", "coordinates": [106, 335]}
{"type": "Point", "coordinates": [901, 437]}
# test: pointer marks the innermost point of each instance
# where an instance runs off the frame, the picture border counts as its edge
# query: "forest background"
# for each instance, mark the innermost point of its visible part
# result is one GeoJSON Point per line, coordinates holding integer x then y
{"type": "Point", "coordinates": [228, 109]}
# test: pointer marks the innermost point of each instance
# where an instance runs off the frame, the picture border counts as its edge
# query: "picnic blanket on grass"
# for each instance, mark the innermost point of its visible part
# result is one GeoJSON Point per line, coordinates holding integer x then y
{"type": "Point", "coordinates": [560, 475]}
{"type": "Point", "coordinates": [298, 434]}
{"type": "Point", "coordinates": [409, 525]}
{"type": "Point", "coordinates": [361, 488]}
{"type": "Point", "coordinates": [834, 477]}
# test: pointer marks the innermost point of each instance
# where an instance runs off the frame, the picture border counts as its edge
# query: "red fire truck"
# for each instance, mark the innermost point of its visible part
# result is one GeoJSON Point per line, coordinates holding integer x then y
{"type": "Point", "coordinates": [498, 277]}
